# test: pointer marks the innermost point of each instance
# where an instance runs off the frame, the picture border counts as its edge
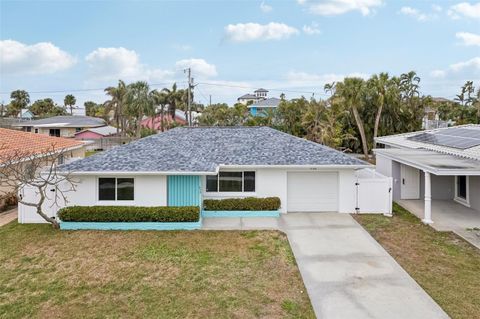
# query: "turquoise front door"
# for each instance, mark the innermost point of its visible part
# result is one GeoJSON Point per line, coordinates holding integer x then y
{"type": "Point", "coordinates": [184, 190]}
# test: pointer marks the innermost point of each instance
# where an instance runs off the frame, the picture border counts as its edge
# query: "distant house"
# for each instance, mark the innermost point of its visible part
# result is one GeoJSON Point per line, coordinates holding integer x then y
{"type": "Point", "coordinates": [96, 133]}
{"type": "Point", "coordinates": [26, 114]}
{"type": "Point", "coordinates": [259, 107]}
{"type": "Point", "coordinates": [155, 123]}
{"type": "Point", "coordinates": [258, 95]}
{"type": "Point", "coordinates": [61, 126]}
{"type": "Point", "coordinates": [11, 141]}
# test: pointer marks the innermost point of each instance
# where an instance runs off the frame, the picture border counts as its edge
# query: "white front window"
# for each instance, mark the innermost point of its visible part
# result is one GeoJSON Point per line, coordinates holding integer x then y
{"type": "Point", "coordinates": [233, 182]}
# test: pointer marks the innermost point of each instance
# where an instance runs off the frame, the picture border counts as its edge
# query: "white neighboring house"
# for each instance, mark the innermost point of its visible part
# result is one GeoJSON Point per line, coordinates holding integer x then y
{"type": "Point", "coordinates": [440, 165]}
{"type": "Point", "coordinates": [185, 165]}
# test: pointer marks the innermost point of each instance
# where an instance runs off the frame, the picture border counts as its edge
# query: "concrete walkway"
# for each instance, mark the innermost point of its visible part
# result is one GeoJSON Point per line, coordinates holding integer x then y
{"type": "Point", "coordinates": [448, 215]}
{"type": "Point", "coordinates": [346, 272]}
{"type": "Point", "coordinates": [8, 216]}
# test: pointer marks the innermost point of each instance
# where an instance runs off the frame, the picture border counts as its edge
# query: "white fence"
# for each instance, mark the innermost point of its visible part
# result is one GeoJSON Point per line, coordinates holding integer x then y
{"type": "Point", "coordinates": [28, 214]}
{"type": "Point", "coordinates": [374, 192]}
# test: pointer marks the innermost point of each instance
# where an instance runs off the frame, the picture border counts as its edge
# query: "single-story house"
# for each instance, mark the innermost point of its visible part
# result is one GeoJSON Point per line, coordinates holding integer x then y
{"type": "Point", "coordinates": [440, 166]}
{"type": "Point", "coordinates": [185, 165]}
{"type": "Point", "coordinates": [18, 146]}
{"type": "Point", "coordinates": [95, 133]}
{"type": "Point", "coordinates": [61, 126]}
{"type": "Point", "coordinates": [257, 108]}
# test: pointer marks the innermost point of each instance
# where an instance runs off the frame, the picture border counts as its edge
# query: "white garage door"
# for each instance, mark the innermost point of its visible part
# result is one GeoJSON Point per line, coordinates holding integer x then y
{"type": "Point", "coordinates": [312, 192]}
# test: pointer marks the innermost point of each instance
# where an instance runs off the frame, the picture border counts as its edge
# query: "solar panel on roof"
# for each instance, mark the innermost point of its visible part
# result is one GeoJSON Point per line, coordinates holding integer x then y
{"type": "Point", "coordinates": [460, 138]}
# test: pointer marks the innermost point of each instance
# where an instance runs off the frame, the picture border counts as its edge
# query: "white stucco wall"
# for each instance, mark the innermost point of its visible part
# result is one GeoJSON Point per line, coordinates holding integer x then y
{"type": "Point", "coordinates": [273, 182]}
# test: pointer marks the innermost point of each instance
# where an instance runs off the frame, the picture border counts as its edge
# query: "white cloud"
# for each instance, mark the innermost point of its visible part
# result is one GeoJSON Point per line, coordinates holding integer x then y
{"type": "Point", "coordinates": [464, 70]}
{"type": "Point", "coordinates": [200, 67]}
{"type": "Point", "coordinates": [337, 7]}
{"type": "Point", "coordinates": [39, 58]}
{"type": "Point", "coordinates": [414, 13]}
{"type": "Point", "coordinates": [469, 39]}
{"type": "Point", "coordinates": [465, 10]}
{"type": "Point", "coordinates": [265, 7]}
{"type": "Point", "coordinates": [438, 74]}
{"type": "Point", "coordinates": [311, 29]}
{"type": "Point", "coordinates": [437, 8]}
{"type": "Point", "coordinates": [244, 32]}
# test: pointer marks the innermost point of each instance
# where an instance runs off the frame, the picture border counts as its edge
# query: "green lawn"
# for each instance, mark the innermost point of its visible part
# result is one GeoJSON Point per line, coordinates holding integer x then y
{"type": "Point", "coordinates": [445, 265]}
{"type": "Point", "coordinates": [197, 274]}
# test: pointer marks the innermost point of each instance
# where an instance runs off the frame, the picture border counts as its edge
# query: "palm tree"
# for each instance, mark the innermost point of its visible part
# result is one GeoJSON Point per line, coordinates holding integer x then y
{"type": "Point", "coordinates": [174, 98]}
{"type": "Point", "coordinates": [20, 100]}
{"type": "Point", "coordinates": [351, 91]}
{"type": "Point", "coordinates": [160, 98]}
{"type": "Point", "coordinates": [69, 101]}
{"type": "Point", "coordinates": [139, 102]}
{"type": "Point", "coordinates": [116, 104]}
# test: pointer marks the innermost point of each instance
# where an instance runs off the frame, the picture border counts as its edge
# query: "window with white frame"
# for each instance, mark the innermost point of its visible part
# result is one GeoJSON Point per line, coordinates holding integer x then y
{"type": "Point", "coordinates": [231, 182]}
{"type": "Point", "coordinates": [111, 188]}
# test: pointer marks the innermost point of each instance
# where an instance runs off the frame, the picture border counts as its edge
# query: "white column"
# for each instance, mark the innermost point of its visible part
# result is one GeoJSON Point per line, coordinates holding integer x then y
{"type": "Point", "coordinates": [427, 213]}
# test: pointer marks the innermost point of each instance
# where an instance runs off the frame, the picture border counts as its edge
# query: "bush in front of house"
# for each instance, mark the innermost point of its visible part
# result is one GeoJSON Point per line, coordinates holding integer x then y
{"type": "Point", "coordinates": [248, 203]}
{"type": "Point", "coordinates": [129, 214]}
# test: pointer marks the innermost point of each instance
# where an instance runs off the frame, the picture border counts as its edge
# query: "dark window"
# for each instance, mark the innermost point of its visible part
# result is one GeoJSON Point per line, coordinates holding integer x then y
{"type": "Point", "coordinates": [462, 187]}
{"type": "Point", "coordinates": [78, 129]}
{"type": "Point", "coordinates": [212, 183]}
{"type": "Point", "coordinates": [106, 189]}
{"type": "Point", "coordinates": [29, 128]}
{"type": "Point", "coordinates": [36, 131]}
{"type": "Point", "coordinates": [248, 181]}
{"type": "Point", "coordinates": [125, 189]}
{"type": "Point", "coordinates": [230, 182]}
{"type": "Point", "coordinates": [55, 132]}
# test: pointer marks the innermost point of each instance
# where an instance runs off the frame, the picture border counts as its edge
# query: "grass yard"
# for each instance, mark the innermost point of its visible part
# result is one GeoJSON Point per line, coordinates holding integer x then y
{"type": "Point", "coordinates": [445, 265]}
{"type": "Point", "coordinates": [46, 273]}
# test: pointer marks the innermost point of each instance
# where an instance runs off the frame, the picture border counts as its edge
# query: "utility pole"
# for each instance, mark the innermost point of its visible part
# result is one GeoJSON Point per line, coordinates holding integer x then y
{"type": "Point", "coordinates": [210, 102]}
{"type": "Point", "coordinates": [189, 93]}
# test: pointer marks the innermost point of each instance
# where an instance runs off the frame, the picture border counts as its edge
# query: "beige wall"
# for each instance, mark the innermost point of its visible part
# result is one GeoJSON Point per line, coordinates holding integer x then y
{"type": "Point", "coordinates": [64, 132]}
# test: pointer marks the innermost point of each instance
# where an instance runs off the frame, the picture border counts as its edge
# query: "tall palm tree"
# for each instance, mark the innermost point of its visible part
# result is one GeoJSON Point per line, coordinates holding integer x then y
{"type": "Point", "coordinates": [384, 90]}
{"type": "Point", "coordinates": [351, 92]}
{"type": "Point", "coordinates": [174, 98]}
{"type": "Point", "coordinates": [116, 104]}
{"type": "Point", "coordinates": [69, 101]}
{"type": "Point", "coordinates": [139, 102]}
{"type": "Point", "coordinates": [160, 98]}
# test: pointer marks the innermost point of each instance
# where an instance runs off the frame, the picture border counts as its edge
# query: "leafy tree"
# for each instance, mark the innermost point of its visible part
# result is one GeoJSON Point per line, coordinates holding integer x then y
{"type": "Point", "coordinates": [160, 99]}
{"type": "Point", "coordinates": [20, 100]}
{"type": "Point", "coordinates": [46, 107]}
{"type": "Point", "coordinates": [69, 102]}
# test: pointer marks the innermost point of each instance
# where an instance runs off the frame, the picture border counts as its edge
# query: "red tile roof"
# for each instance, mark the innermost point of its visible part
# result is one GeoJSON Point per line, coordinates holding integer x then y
{"type": "Point", "coordinates": [13, 141]}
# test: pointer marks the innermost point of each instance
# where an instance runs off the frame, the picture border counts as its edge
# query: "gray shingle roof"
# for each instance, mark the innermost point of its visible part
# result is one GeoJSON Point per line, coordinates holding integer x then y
{"type": "Point", "coordinates": [66, 121]}
{"type": "Point", "coordinates": [203, 149]}
{"type": "Point", "coordinates": [102, 130]}
{"type": "Point", "coordinates": [248, 96]}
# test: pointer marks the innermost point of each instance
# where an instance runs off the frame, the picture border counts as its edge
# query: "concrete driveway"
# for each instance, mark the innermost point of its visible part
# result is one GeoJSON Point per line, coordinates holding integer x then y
{"type": "Point", "coordinates": [8, 216]}
{"type": "Point", "coordinates": [346, 272]}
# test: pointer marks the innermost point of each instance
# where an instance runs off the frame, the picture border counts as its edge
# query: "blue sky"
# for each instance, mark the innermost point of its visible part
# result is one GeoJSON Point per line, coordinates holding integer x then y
{"type": "Point", "coordinates": [233, 47]}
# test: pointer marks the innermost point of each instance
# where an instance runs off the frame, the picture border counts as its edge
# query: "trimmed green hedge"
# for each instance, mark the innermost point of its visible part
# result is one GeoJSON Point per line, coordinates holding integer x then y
{"type": "Point", "coordinates": [248, 203]}
{"type": "Point", "coordinates": [129, 214]}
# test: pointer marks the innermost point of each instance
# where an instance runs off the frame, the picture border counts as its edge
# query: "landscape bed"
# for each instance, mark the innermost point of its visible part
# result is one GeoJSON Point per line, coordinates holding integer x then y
{"type": "Point", "coordinates": [242, 207]}
{"type": "Point", "coordinates": [444, 264]}
{"type": "Point", "coordinates": [129, 218]}
{"type": "Point", "coordinates": [146, 274]}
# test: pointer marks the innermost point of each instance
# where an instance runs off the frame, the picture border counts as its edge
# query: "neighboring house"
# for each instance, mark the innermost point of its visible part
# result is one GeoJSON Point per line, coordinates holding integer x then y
{"type": "Point", "coordinates": [258, 108]}
{"type": "Point", "coordinates": [154, 123]}
{"type": "Point", "coordinates": [441, 165]}
{"type": "Point", "coordinates": [26, 114]}
{"type": "Point", "coordinates": [258, 95]}
{"type": "Point", "coordinates": [14, 142]}
{"type": "Point", "coordinates": [61, 126]}
{"type": "Point", "coordinates": [96, 133]}
{"type": "Point", "coordinates": [185, 165]}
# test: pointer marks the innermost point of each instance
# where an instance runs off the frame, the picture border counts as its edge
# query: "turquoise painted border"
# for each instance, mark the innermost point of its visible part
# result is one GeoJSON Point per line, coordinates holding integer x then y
{"type": "Point", "coordinates": [240, 213]}
{"type": "Point", "coordinates": [130, 226]}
